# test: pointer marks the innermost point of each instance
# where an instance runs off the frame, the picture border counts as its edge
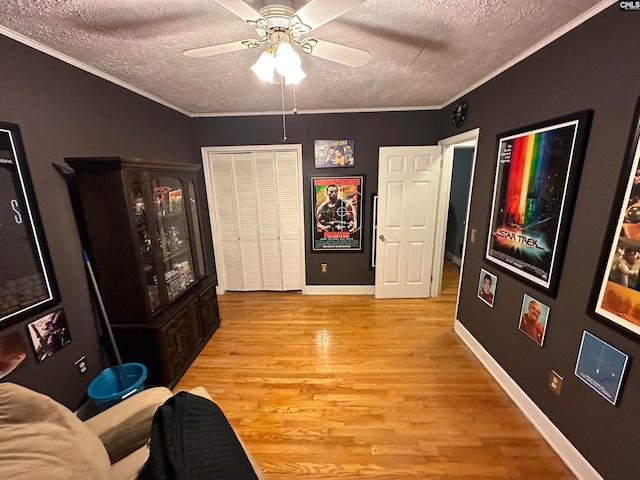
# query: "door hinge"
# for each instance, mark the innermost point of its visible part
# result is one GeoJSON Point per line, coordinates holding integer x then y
{"type": "Point", "coordinates": [441, 163]}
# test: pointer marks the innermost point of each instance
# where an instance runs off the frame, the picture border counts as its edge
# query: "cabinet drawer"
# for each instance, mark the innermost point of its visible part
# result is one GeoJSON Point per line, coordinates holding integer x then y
{"type": "Point", "coordinates": [209, 314]}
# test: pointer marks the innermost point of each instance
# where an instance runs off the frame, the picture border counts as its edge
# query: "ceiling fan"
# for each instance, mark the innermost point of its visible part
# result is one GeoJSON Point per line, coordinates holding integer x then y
{"type": "Point", "coordinates": [280, 28]}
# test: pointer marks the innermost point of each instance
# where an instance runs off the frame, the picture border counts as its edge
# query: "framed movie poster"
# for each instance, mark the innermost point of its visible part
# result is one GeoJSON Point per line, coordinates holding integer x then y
{"type": "Point", "coordinates": [537, 170]}
{"type": "Point", "coordinates": [618, 295]}
{"type": "Point", "coordinates": [336, 204]}
{"type": "Point", "coordinates": [26, 278]}
{"type": "Point", "coordinates": [334, 153]}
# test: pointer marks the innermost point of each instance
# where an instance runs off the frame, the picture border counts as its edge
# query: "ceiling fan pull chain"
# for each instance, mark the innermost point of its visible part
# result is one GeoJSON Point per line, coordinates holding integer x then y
{"type": "Point", "coordinates": [295, 108]}
{"type": "Point", "coordinates": [284, 122]}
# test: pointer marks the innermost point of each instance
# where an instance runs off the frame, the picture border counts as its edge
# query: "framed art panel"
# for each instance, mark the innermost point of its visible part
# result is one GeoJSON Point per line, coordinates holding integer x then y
{"type": "Point", "coordinates": [601, 366]}
{"type": "Point", "coordinates": [334, 153]}
{"type": "Point", "coordinates": [618, 295]}
{"type": "Point", "coordinates": [374, 228]}
{"type": "Point", "coordinates": [336, 203]}
{"type": "Point", "coordinates": [536, 176]}
{"type": "Point", "coordinates": [26, 278]}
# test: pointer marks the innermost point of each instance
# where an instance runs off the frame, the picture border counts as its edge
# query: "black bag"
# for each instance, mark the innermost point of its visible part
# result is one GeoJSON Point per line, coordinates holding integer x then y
{"type": "Point", "coordinates": [191, 439]}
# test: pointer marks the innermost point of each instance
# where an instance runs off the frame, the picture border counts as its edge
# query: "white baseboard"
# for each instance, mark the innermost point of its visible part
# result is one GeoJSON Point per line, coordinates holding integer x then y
{"type": "Point", "coordinates": [554, 437]}
{"type": "Point", "coordinates": [453, 258]}
{"type": "Point", "coordinates": [340, 290]}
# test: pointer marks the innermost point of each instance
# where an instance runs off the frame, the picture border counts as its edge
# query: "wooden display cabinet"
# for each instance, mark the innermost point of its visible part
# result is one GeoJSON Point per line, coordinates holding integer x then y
{"type": "Point", "coordinates": [143, 224]}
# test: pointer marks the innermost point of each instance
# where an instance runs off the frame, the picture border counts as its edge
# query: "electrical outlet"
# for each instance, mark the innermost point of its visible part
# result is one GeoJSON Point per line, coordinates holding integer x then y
{"type": "Point", "coordinates": [472, 236]}
{"type": "Point", "coordinates": [323, 268]}
{"type": "Point", "coordinates": [555, 382]}
{"type": "Point", "coordinates": [81, 363]}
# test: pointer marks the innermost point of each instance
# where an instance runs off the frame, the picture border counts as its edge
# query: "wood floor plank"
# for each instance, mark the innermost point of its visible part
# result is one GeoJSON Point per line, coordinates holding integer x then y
{"type": "Point", "coordinates": [323, 387]}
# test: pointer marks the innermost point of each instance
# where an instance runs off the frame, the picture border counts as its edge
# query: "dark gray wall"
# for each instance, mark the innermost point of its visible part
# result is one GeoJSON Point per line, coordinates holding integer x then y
{"type": "Point", "coordinates": [458, 199]}
{"type": "Point", "coordinates": [596, 66]}
{"type": "Point", "coordinates": [369, 131]}
{"type": "Point", "coordinates": [63, 111]}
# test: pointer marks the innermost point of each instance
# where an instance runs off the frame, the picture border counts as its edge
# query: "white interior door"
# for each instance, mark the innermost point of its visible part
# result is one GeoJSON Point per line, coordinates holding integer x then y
{"type": "Point", "coordinates": [408, 183]}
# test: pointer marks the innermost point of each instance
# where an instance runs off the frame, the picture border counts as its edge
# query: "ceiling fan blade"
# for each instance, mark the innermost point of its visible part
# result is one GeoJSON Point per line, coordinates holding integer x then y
{"type": "Point", "coordinates": [218, 49]}
{"type": "Point", "coordinates": [240, 9]}
{"type": "Point", "coordinates": [334, 52]}
{"type": "Point", "coordinates": [318, 12]}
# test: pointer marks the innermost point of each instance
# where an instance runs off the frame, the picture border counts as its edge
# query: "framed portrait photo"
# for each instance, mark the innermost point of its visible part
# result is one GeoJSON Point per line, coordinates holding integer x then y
{"type": "Point", "coordinates": [536, 176]}
{"type": "Point", "coordinates": [27, 284]}
{"type": "Point", "coordinates": [618, 294]}
{"type": "Point", "coordinates": [487, 287]}
{"type": "Point", "coordinates": [49, 334]}
{"type": "Point", "coordinates": [534, 318]}
{"type": "Point", "coordinates": [336, 203]}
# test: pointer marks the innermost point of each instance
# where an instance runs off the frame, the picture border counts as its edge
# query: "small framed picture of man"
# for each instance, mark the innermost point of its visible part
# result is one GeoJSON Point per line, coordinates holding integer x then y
{"type": "Point", "coordinates": [534, 317]}
{"type": "Point", "coordinates": [487, 287]}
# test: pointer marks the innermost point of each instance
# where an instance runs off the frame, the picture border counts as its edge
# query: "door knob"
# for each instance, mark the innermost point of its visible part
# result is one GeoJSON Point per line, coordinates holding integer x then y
{"type": "Point", "coordinates": [381, 237]}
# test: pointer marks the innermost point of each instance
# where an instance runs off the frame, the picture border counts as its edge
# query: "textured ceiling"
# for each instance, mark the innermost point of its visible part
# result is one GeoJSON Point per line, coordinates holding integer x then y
{"type": "Point", "coordinates": [424, 53]}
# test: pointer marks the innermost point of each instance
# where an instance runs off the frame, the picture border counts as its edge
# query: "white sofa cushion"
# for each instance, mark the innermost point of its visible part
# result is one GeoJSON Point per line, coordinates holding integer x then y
{"type": "Point", "coordinates": [40, 438]}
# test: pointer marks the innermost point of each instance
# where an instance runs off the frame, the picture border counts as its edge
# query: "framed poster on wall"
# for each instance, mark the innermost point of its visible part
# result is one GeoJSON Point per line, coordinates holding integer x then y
{"type": "Point", "coordinates": [618, 295]}
{"type": "Point", "coordinates": [536, 176]}
{"type": "Point", "coordinates": [26, 279]}
{"type": "Point", "coordinates": [336, 203]}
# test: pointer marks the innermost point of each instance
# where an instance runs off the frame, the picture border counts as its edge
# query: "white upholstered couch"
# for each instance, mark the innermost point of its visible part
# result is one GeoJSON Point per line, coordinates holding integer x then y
{"type": "Point", "coordinates": [42, 439]}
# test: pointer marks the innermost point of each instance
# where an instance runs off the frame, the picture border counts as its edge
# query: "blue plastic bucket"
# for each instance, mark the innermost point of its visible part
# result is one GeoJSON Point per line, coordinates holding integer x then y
{"type": "Point", "coordinates": [114, 384]}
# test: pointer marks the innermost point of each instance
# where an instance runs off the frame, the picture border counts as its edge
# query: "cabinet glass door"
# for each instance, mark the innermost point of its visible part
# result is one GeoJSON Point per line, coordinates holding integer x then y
{"type": "Point", "coordinates": [197, 239]}
{"type": "Point", "coordinates": [173, 234]}
{"type": "Point", "coordinates": [144, 244]}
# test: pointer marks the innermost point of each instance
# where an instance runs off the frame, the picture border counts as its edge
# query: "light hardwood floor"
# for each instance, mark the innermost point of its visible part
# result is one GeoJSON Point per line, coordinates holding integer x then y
{"type": "Point", "coordinates": [323, 387]}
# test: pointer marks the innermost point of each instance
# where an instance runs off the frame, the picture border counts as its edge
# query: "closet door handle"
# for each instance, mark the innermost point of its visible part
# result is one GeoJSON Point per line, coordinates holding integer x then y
{"type": "Point", "coordinates": [381, 237]}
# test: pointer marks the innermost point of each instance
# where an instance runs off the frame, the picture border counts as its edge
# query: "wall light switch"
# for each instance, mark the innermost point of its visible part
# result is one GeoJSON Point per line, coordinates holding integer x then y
{"type": "Point", "coordinates": [555, 382]}
{"type": "Point", "coordinates": [472, 235]}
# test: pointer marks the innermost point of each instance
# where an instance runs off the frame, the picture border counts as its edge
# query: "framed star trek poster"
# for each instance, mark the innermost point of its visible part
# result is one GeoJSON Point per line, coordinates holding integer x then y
{"type": "Point", "coordinates": [26, 278]}
{"type": "Point", "coordinates": [536, 177]}
{"type": "Point", "coordinates": [618, 295]}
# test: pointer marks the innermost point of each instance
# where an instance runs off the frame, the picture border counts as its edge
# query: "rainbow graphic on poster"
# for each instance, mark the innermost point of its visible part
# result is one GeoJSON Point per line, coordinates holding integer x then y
{"type": "Point", "coordinates": [529, 195]}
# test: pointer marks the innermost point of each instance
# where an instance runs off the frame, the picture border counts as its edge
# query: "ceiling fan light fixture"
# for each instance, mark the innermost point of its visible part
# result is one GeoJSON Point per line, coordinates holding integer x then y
{"type": "Point", "coordinates": [265, 66]}
{"type": "Point", "coordinates": [294, 76]}
{"type": "Point", "coordinates": [287, 60]}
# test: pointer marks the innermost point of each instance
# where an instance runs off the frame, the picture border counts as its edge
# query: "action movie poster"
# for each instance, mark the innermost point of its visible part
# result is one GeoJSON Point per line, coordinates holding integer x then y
{"type": "Point", "coordinates": [25, 282]}
{"type": "Point", "coordinates": [337, 207]}
{"type": "Point", "coordinates": [49, 334]}
{"type": "Point", "coordinates": [535, 173]}
{"type": "Point", "coordinates": [334, 153]}
{"type": "Point", "coordinates": [601, 366]}
{"type": "Point", "coordinates": [619, 292]}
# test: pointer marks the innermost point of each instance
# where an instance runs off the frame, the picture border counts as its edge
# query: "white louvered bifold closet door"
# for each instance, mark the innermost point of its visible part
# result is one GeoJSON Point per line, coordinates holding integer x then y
{"type": "Point", "coordinates": [268, 219]}
{"type": "Point", "coordinates": [258, 205]}
{"type": "Point", "coordinates": [289, 206]}
{"type": "Point", "coordinates": [225, 215]}
{"type": "Point", "coordinates": [247, 220]}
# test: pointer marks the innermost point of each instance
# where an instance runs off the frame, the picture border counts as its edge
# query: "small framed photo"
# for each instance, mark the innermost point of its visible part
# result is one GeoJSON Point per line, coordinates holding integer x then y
{"type": "Point", "coordinates": [601, 366]}
{"type": "Point", "coordinates": [49, 334]}
{"type": "Point", "coordinates": [12, 353]}
{"type": "Point", "coordinates": [334, 153]}
{"type": "Point", "coordinates": [534, 317]}
{"type": "Point", "coordinates": [487, 287]}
